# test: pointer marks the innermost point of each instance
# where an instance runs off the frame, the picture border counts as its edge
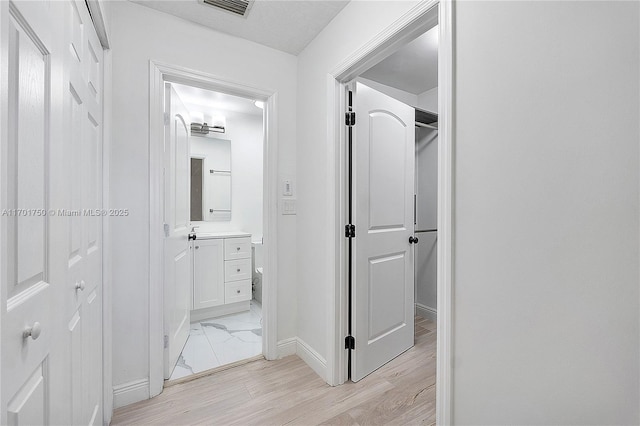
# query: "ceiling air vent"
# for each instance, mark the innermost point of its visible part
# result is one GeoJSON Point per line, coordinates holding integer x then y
{"type": "Point", "coordinates": [238, 7]}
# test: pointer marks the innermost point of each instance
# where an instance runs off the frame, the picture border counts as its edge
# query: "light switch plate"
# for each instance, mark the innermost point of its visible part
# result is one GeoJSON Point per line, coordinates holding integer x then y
{"type": "Point", "coordinates": [287, 187]}
{"type": "Point", "coordinates": [288, 206]}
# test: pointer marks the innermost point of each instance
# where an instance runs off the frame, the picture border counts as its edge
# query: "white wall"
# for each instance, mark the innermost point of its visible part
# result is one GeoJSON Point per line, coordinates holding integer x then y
{"type": "Point", "coordinates": [401, 95]}
{"type": "Point", "coordinates": [355, 25]}
{"type": "Point", "coordinates": [246, 135]}
{"type": "Point", "coordinates": [426, 252]}
{"type": "Point", "coordinates": [546, 223]}
{"type": "Point", "coordinates": [138, 35]}
{"type": "Point", "coordinates": [428, 100]}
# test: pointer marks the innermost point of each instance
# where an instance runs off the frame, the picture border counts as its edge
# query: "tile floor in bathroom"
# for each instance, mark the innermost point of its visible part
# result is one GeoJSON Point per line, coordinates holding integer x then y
{"type": "Point", "coordinates": [219, 341]}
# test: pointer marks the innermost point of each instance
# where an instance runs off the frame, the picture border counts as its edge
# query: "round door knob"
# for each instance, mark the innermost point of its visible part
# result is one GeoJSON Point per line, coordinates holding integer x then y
{"type": "Point", "coordinates": [238, 269]}
{"type": "Point", "coordinates": [33, 331]}
{"type": "Point", "coordinates": [80, 286]}
{"type": "Point", "coordinates": [413, 240]}
{"type": "Point", "coordinates": [238, 291]}
{"type": "Point", "coordinates": [238, 248]}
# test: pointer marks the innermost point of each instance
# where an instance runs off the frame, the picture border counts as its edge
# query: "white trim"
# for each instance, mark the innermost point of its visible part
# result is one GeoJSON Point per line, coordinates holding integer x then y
{"type": "Point", "coordinates": [287, 347]}
{"type": "Point", "coordinates": [446, 227]}
{"type": "Point", "coordinates": [158, 74]}
{"type": "Point", "coordinates": [96, 9]}
{"type": "Point", "coordinates": [312, 358]}
{"type": "Point", "coordinates": [414, 22]}
{"type": "Point", "coordinates": [426, 312]}
{"type": "Point", "coordinates": [107, 286]}
{"type": "Point", "coordinates": [130, 392]}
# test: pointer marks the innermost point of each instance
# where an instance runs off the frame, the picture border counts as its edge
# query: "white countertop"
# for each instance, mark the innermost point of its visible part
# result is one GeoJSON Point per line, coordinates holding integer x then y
{"type": "Point", "coordinates": [208, 235]}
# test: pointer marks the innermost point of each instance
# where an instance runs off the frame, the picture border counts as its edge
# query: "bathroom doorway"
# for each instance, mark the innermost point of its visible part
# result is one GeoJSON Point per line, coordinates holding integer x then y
{"type": "Point", "coordinates": [225, 144]}
{"type": "Point", "coordinates": [217, 185]}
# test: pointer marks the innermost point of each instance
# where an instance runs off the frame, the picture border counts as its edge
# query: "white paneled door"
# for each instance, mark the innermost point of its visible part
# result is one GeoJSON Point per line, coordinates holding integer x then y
{"type": "Point", "coordinates": [51, 214]}
{"type": "Point", "coordinates": [177, 248]}
{"type": "Point", "coordinates": [383, 280]}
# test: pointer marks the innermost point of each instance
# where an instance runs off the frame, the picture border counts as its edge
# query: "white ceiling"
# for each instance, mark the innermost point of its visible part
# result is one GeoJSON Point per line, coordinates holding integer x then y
{"type": "Point", "coordinates": [214, 103]}
{"type": "Point", "coordinates": [413, 68]}
{"type": "Point", "coordinates": [287, 25]}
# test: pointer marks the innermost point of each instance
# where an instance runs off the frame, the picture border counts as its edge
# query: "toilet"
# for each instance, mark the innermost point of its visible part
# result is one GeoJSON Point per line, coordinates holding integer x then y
{"type": "Point", "coordinates": [256, 267]}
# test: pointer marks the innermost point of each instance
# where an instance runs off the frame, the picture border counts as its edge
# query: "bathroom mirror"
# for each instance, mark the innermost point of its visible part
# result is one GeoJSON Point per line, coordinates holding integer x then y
{"type": "Point", "coordinates": [210, 179]}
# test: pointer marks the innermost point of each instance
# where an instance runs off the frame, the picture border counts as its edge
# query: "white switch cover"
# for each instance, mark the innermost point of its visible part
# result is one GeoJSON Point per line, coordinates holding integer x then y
{"type": "Point", "coordinates": [287, 187]}
{"type": "Point", "coordinates": [288, 206]}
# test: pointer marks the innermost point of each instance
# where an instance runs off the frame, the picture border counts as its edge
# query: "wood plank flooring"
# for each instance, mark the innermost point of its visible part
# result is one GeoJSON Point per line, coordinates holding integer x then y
{"type": "Point", "coordinates": [288, 392]}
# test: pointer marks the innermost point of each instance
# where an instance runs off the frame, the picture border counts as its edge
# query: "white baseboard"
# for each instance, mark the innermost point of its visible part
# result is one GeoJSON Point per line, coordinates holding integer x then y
{"type": "Point", "coordinates": [426, 312]}
{"type": "Point", "coordinates": [128, 393]}
{"type": "Point", "coordinates": [218, 311]}
{"type": "Point", "coordinates": [312, 358]}
{"type": "Point", "coordinates": [287, 347]}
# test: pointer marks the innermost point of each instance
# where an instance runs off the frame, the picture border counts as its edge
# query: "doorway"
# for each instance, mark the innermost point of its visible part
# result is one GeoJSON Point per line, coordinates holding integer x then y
{"type": "Point", "coordinates": [213, 315]}
{"type": "Point", "coordinates": [407, 29]}
{"type": "Point", "coordinates": [219, 249]}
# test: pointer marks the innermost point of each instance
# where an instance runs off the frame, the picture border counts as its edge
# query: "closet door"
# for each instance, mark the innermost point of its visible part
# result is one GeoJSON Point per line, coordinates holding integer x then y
{"type": "Point", "coordinates": [83, 121]}
{"type": "Point", "coordinates": [383, 291]}
{"type": "Point", "coordinates": [31, 284]}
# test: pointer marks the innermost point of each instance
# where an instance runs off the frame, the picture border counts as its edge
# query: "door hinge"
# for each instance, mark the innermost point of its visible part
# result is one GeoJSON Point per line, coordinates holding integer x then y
{"type": "Point", "coordinates": [349, 342]}
{"type": "Point", "coordinates": [166, 341]}
{"type": "Point", "coordinates": [350, 118]}
{"type": "Point", "coordinates": [350, 231]}
{"type": "Point", "coordinates": [166, 229]}
{"type": "Point", "coordinates": [166, 119]}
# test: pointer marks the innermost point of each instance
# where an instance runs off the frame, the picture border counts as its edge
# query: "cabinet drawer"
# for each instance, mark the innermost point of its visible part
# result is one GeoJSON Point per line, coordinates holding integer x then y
{"type": "Point", "coordinates": [237, 291]}
{"type": "Point", "coordinates": [237, 248]}
{"type": "Point", "coordinates": [236, 270]}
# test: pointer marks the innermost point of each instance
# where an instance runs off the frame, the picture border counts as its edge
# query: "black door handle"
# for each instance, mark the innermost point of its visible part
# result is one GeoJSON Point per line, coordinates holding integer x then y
{"type": "Point", "coordinates": [413, 240]}
{"type": "Point", "coordinates": [192, 237]}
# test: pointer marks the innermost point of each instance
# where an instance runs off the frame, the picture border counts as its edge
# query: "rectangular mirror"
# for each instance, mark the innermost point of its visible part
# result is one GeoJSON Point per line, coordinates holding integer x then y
{"type": "Point", "coordinates": [211, 185]}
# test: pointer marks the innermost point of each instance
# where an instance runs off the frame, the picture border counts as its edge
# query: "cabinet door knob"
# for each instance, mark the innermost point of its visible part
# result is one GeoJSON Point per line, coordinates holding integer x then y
{"type": "Point", "coordinates": [238, 248]}
{"type": "Point", "coordinates": [238, 269]}
{"type": "Point", "coordinates": [197, 247]}
{"type": "Point", "coordinates": [33, 331]}
{"type": "Point", "coordinates": [238, 291]}
{"type": "Point", "coordinates": [80, 286]}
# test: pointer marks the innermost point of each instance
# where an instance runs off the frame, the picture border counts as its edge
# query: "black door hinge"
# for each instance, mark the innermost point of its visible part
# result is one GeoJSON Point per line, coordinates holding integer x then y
{"type": "Point", "coordinates": [349, 342]}
{"type": "Point", "coordinates": [350, 231]}
{"type": "Point", "coordinates": [350, 118]}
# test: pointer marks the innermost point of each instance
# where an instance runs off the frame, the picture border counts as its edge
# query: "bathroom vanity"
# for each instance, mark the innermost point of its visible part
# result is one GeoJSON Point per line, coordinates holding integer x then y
{"type": "Point", "coordinates": [221, 273]}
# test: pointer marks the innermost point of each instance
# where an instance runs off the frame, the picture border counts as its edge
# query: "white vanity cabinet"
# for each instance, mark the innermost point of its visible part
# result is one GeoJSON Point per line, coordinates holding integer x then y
{"type": "Point", "coordinates": [237, 269]}
{"type": "Point", "coordinates": [208, 273]}
{"type": "Point", "coordinates": [222, 272]}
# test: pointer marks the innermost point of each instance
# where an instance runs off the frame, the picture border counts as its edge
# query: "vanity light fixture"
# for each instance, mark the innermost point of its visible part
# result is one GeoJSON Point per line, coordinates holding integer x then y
{"type": "Point", "coordinates": [200, 127]}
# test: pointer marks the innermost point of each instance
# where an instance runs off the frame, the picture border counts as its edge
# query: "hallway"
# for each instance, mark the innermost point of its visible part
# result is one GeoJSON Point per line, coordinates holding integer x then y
{"type": "Point", "coordinates": [287, 391]}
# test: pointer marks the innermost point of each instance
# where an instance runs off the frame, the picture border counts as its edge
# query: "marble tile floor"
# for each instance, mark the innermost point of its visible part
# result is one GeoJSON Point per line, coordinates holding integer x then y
{"type": "Point", "coordinates": [219, 341]}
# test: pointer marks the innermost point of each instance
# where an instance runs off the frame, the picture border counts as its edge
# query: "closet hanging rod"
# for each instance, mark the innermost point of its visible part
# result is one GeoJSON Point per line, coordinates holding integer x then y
{"type": "Point", "coordinates": [424, 230]}
{"type": "Point", "coordinates": [428, 126]}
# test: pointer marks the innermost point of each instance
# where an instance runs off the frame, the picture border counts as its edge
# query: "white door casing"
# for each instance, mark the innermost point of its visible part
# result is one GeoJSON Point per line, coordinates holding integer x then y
{"type": "Point", "coordinates": [383, 279]}
{"type": "Point", "coordinates": [50, 229]}
{"type": "Point", "coordinates": [177, 249]}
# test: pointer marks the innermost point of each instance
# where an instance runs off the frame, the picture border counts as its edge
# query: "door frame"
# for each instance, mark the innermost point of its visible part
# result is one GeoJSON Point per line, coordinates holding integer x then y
{"type": "Point", "coordinates": [159, 73]}
{"type": "Point", "coordinates": [415, 22]}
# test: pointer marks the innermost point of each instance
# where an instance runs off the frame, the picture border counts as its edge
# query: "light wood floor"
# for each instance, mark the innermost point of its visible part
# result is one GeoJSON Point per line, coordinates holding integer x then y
{"type": "Point", "coordinates": [288, 392]}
